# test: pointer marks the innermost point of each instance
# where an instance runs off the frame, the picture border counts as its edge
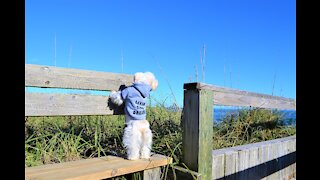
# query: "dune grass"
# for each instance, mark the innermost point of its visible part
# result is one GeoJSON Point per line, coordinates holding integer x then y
{"type": "Point", "coordinates": [250, 126]}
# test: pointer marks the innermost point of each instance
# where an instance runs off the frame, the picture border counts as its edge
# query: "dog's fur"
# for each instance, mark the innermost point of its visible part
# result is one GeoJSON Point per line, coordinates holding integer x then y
{"type": "Point", "coordinates": [137, 137]}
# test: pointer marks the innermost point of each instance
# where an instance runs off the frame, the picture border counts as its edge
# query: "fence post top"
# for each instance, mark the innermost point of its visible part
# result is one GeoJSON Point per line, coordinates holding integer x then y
{"type": "Point", "coordinates": [193, 85]}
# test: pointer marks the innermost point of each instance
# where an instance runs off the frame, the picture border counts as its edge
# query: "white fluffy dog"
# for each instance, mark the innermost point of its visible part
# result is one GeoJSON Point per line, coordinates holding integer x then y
{"type": "Point", "coordinates": [137, 137]}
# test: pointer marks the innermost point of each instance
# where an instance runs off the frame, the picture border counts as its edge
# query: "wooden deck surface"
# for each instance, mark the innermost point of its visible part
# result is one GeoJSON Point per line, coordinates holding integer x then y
{"type": "Point", "coordinates": [96, 168]}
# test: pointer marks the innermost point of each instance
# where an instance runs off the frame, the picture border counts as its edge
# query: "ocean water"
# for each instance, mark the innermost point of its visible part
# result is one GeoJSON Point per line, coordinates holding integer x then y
{"type": "Point", "coordinates": [288, 116]}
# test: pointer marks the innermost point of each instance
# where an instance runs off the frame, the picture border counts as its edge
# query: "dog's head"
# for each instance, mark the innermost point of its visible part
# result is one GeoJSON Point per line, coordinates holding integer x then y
{"type": "Point", "coordinates": [146, 78]}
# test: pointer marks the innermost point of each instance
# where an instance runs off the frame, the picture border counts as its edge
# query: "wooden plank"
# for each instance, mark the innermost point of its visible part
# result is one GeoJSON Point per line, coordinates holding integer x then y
{"type": "Point", "coordinates": [254, 145]}
{"type": "Point", "coordinates": [51, 168]}
{"type": "Point", "coordinates": [292, 148]}
{"type": "Point", "coordinates": [56, 77]}
{"type": "Point", "coordinates": [190, 129]}
{"type": "Point", "coordinates": [253, 163]}
{"type": "Point", "coordinates": [227, 99]}
{"type": "Point", "coordinates": [205, 134]}
{"type": "Point", "coordinates": [41, 104]}
{"type": "Point", "coordinates": [256, 160]}
{"type": "Point", "coordinates": [274, 155]}
{"type": "Point", "coordinates": [269, 157]}
{"type": "Point", "coordinates": [216, 88]}
{"type": "Point", "coordinates": [287, 147]}
{"type": "Point", "coordinates": [282, 162]}
{"type": "Point", "coordinates": [242, 164]}
{"type": "Point", "coordinates": [284, 173]}
{"type": "Point", "coordinates": [152, 174]}
{"type": "Point", "coordinates": [263, 158]}
{"type": "Point", "coordinates": [287, 172]}
{"type": "Point", "coordinates": [197, 126]}
{"type": "Point", "coordinates": [233, 97]}
{"type": "Point", "coordinates": [230, 164]}
{"type": "Point", "coordinates": [99, 169]}
{"type": "Point", "coordinates": [218, 166]}
{"type": "Point", "coordinates": [293, 168]}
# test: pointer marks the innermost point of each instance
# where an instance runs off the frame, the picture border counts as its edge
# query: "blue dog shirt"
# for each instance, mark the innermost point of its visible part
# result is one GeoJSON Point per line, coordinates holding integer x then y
{"type": "Point", "coordinates": [135, 101]}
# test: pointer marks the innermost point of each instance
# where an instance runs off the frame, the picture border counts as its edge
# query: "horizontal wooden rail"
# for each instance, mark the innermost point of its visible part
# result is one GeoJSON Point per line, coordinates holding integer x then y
{"type": "Point", "coordinates": [273, 159]}
{"type": "Point", "coordinates": [41, 104]}
{"type": "Point", "coordinates": [54, 77]}
{"type": "Point", "coordinates": [234, 97]}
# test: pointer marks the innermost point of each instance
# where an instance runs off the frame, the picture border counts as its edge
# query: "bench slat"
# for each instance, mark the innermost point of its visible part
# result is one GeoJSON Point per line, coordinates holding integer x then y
{"type": "Point", "coordinates": [97, 168]}
{"type": "Point", "coordinates": [48, 168]}
{"type": "Point", "coordinates": [54, 77]}
{"type": "Point", "coordinates": [41, 104]}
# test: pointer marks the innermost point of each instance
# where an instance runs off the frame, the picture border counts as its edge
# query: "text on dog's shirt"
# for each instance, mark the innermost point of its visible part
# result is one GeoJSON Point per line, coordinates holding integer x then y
{"type": "Point", "coordinates": [135, 101]}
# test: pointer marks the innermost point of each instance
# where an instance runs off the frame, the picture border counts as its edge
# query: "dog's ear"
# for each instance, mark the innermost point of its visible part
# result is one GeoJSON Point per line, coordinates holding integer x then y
{"type": "Point", "coordinates": [154, 84]}
{"type": "Point", "coordinates": [152, 80]}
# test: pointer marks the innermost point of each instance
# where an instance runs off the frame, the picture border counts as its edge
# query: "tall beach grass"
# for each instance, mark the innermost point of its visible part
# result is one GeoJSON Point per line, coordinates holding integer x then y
{"type": "Point", "coordinates": [66, 138]}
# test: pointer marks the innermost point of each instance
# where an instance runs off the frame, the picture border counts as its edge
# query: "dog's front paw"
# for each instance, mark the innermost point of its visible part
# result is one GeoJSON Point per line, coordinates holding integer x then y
{"type": "Point", "coordinates": [132, 158]}
{"type": "Point", "coordinates": [145, 157]}
{"type": "Point", "coordinates": [115, 97]}
{"type": "Point", "coordinates": [145, 153]}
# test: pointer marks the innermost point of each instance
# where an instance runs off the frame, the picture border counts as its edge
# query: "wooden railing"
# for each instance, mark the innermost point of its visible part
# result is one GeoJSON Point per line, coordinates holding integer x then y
{"type": "Point", "coordinates": [234, 97]}
{"type": "Point", "coordinates": [273, 159]}
{"type": "Point", "coordinates": [45, 104]}
{"type": "Point", "coordinates": [197, 122]}
{"type": "Point", "coordinates": [54, 104]}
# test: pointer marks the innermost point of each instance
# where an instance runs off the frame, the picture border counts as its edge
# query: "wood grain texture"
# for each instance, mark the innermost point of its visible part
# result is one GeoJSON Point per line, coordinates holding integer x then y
{"type": "Point", "coordinates": [93, 169]}
{"type": "Point", "coordinates": [197, 126]}
{"type": "Point", "coordinates": [55, 77]}
{"type": "Point", "coordinates": [242, 164]}
{"type": "Point", "coordinates": [41, 104]}
{"type": "Point", "coordinates": [190, 129]}
{"type": "Point", "coordinates": [50, 168]}
{"type": "Point", "coordinates": [274, 159]}
{"type": "Point", "coordinates": [253, 162]}
{"type": "Point", "coordinates": [152, 174]}
{"type": "Point", "coordinates": [233, 97]}
{"type": "Point", "coordinates": [218, 166]}
{"type": "Point", "coordinates": [230, 164]}
{"type": "Point", "coordinates": [205, 134]}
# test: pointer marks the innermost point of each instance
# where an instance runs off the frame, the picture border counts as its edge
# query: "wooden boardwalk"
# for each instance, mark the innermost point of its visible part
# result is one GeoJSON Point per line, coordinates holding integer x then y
{"type": "Point", "coordinates": [241, 162]}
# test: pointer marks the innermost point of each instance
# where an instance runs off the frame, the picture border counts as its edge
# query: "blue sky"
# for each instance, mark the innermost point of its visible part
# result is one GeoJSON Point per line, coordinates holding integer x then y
{"type": "Point", "coordinates": [250, 44]}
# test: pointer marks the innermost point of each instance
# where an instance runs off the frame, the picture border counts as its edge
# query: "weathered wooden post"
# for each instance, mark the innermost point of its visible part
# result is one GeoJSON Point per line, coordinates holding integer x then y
{"type": "Point", "coordinates": [197, 129]}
